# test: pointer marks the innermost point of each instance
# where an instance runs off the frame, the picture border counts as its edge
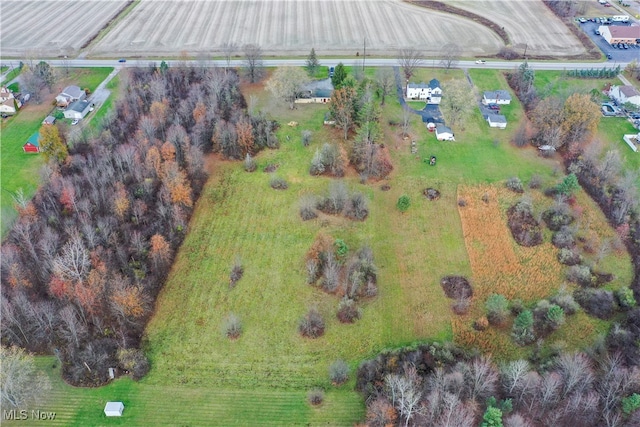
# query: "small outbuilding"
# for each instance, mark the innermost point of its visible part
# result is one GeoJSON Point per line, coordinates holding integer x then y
{"type": "Point", "coordinates": [444, 133]}
{"type": "Point", "coordinates": [49, 120]}
{"type": "Point", "coordinates": [113, 409]}
{"type": "Point", "coordinates": [33, 144]}
{"type": "Point", "coordinates": [497, 121]}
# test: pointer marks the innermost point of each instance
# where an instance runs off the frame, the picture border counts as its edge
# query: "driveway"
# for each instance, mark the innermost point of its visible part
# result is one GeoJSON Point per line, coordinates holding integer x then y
{"type": "Point", "coordinates": [430, 113]}
{"type": "Point", "coordinates": [617, 55]}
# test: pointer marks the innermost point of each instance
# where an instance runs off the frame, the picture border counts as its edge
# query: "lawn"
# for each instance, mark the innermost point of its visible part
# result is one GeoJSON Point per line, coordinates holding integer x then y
{"type": "Point", "coordinates": [556, 83]}
{"type": "Point", "coordinates": [19, 169]}
{"type": "Point", "coordinates": [200, 377]}
{"type": "Point", "coordinates": [610, 132]}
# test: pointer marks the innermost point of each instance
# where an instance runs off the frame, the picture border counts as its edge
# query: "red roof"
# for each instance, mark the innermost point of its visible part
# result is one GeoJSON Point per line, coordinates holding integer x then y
{"type": "Point", "coordinates": [632, 32]}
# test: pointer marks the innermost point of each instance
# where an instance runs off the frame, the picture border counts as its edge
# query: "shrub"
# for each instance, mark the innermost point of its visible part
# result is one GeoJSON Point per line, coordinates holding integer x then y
{"type": "Point", "coordinates": [514, 184]}
{"type": "Point", "coordinates": [249, 163]}
{"type": "Point", "coordinates": [462, 202]}
{"type": "Point", "coordinates": [237, 270]}
{"type": "Point", "coordinates": [336, 200]}
{"type": "Point", "coordinates": [569, 257]}
{"type": "Point", "coordinates": [596, 302]}
{"type": "Point", "coordinates": [631, 403]}
{"type": "Point", "coordinates": [278, 183]}
{"type": "Point", "coordinates": [565, 300]}
{"type": "Point", "coordinates": [312, 270]}
{"type": "Point", "coordinates": [461, 306]}
{"type": "Point", "coordinates": [481, 323]}
{"type": "Point", "coordinates": [522, 331]}
{"type": "Point", "coordinates": [134, 361]}
{"type": "Point", "coordinates": [456, 287]}
{"type": "Point", "coordinates": [403, 203]}
{"type": "Point", "coordinates": [357, 207]}
{"type": "Point", "coordinates": [580, 274]}
{"type": "Point", "coordinates": [557, 217]}
{"type": "Point", "coordinates": [232, 327]}
{"type": "Point", "coordinates": [523, 226]}
{"type": "Point", "coordinates": [317, 166]}
{"type": "Point", "coordinates": [564, 238]}
{"type": "Point", "coordinates": [341, 247]}
{"type": "Point", "coordinates": [339, 372]}
{"type": "Point", "coordinates": [348, 311]}
{"type": "Point", "coordinates": [555, 316]}
{"type": "Point", "coordinates": [625, 299]}
{"type": "Point", "coordinates": [568, 185]}
{"type": "Point", "coordinates": [312, 324]}
{"type": "Point", "coordinates": [316, 396]}
{"type": "Point", "coordinates": [516, 307]}
{"type": "Point", "coordinates": [308, 208]}
{"type": "Point", "coordinates": [330, 273]}
{"type": "Point", "coordinates": [497, 307]}
{"type": "Point", "coordinates": [306, 137]}
{"type": "Point", "coordinates": [508, 53]}
{"type": "Point", "coordinates": [535, 181]}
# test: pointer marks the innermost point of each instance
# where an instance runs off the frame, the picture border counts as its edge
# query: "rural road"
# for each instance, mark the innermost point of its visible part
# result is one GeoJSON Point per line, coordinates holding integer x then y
{"type": "Point", "coordinates": [378, 62]}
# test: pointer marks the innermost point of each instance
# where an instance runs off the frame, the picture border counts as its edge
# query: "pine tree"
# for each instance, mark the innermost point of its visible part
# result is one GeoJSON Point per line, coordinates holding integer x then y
{"type": "Point", "coordinates": [312, 63]}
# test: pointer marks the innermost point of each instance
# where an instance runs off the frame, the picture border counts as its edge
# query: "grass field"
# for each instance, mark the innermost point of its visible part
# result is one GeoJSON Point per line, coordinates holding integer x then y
{"type": "Point", "coordinates": [199, 377]}
{"type": "Point", "coordinates": [610, 133]}
{"type": "Point", "coordinates": [556, 83]}
{"type": "Point", "coordinates": [19, 169]}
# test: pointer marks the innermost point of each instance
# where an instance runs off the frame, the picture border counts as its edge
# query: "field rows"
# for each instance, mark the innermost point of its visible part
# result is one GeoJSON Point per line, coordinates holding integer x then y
{"type": "Point", "coordinates": [51, 28]}
{"type": "Point", "coordinates": [291, 26]}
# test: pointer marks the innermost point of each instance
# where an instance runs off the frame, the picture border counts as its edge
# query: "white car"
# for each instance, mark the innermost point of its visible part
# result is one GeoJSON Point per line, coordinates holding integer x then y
{"type": "Point", "coordinates": [480, 61]}
{"type": "Point", "coordinates": [75, 122]}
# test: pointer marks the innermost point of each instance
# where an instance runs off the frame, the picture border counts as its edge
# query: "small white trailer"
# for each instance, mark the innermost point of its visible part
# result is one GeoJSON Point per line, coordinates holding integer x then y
{"type": "Point", "coordinates": [620, 18]}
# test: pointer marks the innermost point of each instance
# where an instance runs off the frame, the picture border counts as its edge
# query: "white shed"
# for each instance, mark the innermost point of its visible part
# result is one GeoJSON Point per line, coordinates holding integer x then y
{"type": "Point", "coordinates": [497, 121]}
{"type": "Point", "coordinates": [114, 409]}
{"type": "Point", "coordinates": [444, 133]}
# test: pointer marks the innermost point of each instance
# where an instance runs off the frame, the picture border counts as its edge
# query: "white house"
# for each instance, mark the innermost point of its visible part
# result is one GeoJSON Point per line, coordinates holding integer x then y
{"type": "Point", "coordinates": [444, 133]}
{"type": "Point", "coordinates": [70, 94]}
{"type": "Point", "coordinates": [496, 97]}
{"type": "Point", "coordinates": [113, 409]}
{"type": "Point", "coordinates": [7, 101]}
{"type": "Point", "coordinates": [430, 92]}
{"type": "Point", "coordinates": [77, 110]}
{"type": "Point", "coordinates": [497, 121]}
{"type": "Point", "coordinates": [624, 94]}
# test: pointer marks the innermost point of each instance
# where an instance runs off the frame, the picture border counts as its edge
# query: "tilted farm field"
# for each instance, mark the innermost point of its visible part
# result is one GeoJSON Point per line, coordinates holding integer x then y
{"type": "Point", "coordinates": [529, 24]}
{"type": "Point", "coordinates": [291, 27]}
{"type": "Point", "coordinates": [51, 28]}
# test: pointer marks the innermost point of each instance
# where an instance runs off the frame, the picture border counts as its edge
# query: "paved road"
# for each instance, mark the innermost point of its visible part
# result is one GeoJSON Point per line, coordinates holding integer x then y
{"type": "Point", "coordinates": [378, 62]}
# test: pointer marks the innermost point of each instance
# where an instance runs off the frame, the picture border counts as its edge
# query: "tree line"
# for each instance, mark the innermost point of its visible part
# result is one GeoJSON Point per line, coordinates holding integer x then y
{"type": "Point", "coordinates": [87, 256]}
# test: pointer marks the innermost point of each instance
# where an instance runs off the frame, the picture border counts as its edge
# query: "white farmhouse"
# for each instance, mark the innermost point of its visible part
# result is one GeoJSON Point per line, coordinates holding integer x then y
{"type": "Point", "coordinates": [7, 101]}
{"type": "Point", "coordinates": [70, 94]}
{"type": "Point", "coordinates": [496, 97]}
{"type": "Point", "coordinates": [624, 94]}
{"type": "Point", "coordinates": [430, 92]}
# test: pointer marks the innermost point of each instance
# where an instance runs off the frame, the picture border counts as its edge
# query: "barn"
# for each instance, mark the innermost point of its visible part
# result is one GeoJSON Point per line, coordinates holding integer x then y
{"type": "Point", "coordinates": [32, 145]}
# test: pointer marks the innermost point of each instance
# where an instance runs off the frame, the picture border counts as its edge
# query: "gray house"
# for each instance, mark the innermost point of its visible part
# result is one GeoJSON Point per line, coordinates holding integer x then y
{"type": "Point", "coordinates": [77, 110]}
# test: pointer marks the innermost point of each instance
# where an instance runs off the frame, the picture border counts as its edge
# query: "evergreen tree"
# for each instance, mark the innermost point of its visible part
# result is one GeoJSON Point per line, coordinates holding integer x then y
{"type": "Point", "coordinates": [312, 63]}
{"type": "Point", "coordinates": [339, 74]}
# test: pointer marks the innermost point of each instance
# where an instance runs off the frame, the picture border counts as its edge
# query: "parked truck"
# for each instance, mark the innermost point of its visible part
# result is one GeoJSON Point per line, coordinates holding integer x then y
{"type": "Point", "coordinates": [620, 18]}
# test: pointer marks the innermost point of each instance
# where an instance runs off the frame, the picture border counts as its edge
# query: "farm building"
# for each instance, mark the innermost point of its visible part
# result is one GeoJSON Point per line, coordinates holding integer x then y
{"type": "Point", "coordinates": [497, 121]}
{"type": "Point", "coordinates": [444, 133]}
{"type": "Point", "coordinates": [620, 34]}
{"type": "Point", "coordinates": [70, 94]}
{"type": "Point", "coordinates": [624, 94]}
{"type": "Point", "coordinates": [430, 92]}
{"type": "Point", "coordinates": [33, 144]}
{"type": "Point", "coordinates": [77, 110]}
{"type": "Point", "coordinates": [496, 97]}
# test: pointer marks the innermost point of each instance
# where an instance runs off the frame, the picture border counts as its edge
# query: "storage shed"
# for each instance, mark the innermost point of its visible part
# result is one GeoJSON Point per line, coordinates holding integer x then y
{"type": "Point", "coordinates": [33, 144]}
{"type": "Point", "coordinates": [113, 409]}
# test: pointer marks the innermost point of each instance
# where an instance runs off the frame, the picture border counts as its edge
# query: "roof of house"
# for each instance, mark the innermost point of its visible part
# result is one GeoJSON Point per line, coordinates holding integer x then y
{"type": "Point", "coordinates": [34, 139]}
{"type": "Point", "coordinates": [628, 91]}
{"type": "Point", "coordinates": [497, 118]}
{"type": "Point", "coordinates": [73, 91]}
{"type": "Point", "coordinates": [49, 120]}
{"type": "Point", "coordinates": [434, 84]}
{"type": "Point", "coordinates": [322, 93]}
{"type": "Point", "coordinates": [497, 94]}
{"type": "Point", "coordinates": [626, 32]}
{"type": "Point", "coordinates": [443, 129]}
{"type": "Point", "coordinates": [79, 106]}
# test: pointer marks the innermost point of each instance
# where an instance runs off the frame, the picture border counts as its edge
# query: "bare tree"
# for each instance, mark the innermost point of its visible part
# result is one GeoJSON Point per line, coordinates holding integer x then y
{"type": "Point", "coordinates": [20, 382]}
{"type": "Point", "coordinates": [253, 62]}
{"type": "Point", "coordinates": [576, 371]}
{"type": "Point", "coordinates": [73, 262]}
{"type": "Point", "coordinates": [71, 329]}
{"type": "Point", "coordinates": [480, 377]}
{"type": "Point", "coordinates": [405, 392]}
{"type": "Point", "coordinates": [286, 84]}
{"type": "Point", "coordinates": [450, 54]}
{"type": "Point", "coordinates": [459, 102]}
{"type": "Point", "coordinates": [384, 83]}
{"type": "Point", "coordinates": [228, 49]}
{"type": "Point", "coordinates": [409, 59]}
{"type": "Point", "coordinates": [513, 374]}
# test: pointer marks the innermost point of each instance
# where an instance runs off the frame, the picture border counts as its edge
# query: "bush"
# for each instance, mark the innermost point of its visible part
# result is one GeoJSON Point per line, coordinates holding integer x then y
{"type": "Point", "coordinates": [237, 270]}
{"type": "Point", "coordinates": [596, 302]}
{"type": "Point", "coordinates": [357, 207]}
{"type": "Point", "coordinates": [306, 137]}
{"type": "Point", "coordinates": [348, 311]}
{"type": "Point", "coordinates": [403, 203]}
{"type": "Point", "coordinates": [566, 302]}
{"type": "Point", "coordinates": [516, 307]}
{"type": "Point", "coordinates": [580, 274]}
{"type": "Point", "coordinates": [535, 181]}
{"type": "Point", "coordinates": [462, 202]}
{"type": "Point", "coordinates": [631, 403]}
{"type": "Point", "coordinates": [625, 299]}
{"type": "Point", "coordinates": [522, 331]}
{"type": "Point", "coordinates": [312, 324]}
{"type": "Point", "coordinates": [548, 317]}
{"type": "Point", "coordinates": [456, 287]}
{"type": "Point", "coordinates": [339, 372]}
{"type": "Point", "coordinates": [232, 327]}
{"type": "Point", "coordinates": [317, 166]}
{"type": "Point", "coordinates": [569, 257]}
{"type": "Point", "coordinates": [134, 361]}
{"type": "Point", "coordinates": [461, 306]}
{"type": "Point", "coordinates": [564, 238]}
{"type": "Point", "coordinates": [568, 185]}
{"type": "Point", "coordinates": [497, 307]}
{"type": "Point", "coordinates": [555, 316]}
{"type": "Point", "coordinates": [316, 396]}
{"type": "Point", "coordinates": [249, 163]}
{"type": "Point", "coordinates": [557, 217]}
{"type": "Point", "coordinates": [312, 271]}
{"type": "Point", "coordinates": [481, 323]}
{"type": "Point", "coordinates": [308, 208]}
{"type": "Point", "coordinates": [514, 184]}
{"type": "Point", "coordinates": [278, 183]}
{"type": "Point", "coordinates": [508, 53]}
{"type": "Point", "coordinates": [523, 226]}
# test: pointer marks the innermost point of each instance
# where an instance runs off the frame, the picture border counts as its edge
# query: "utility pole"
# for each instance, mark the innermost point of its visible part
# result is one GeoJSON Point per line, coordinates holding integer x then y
{"type": "Point", "coordinates": [364, 56]}
{"type": "Point", "coordinates": [526, 45]}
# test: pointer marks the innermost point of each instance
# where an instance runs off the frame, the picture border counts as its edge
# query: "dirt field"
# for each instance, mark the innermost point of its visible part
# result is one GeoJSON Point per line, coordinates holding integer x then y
{"type": "Point", "coordinates": [528, 23]}
{"type": "Point", "coordinates": [51, 28]}
{"type": "Point", "coordinates": [290, 27]}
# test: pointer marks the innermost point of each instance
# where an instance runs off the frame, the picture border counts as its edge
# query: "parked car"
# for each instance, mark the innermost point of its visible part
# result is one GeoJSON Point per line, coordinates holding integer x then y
{"type": "Point", "coordinates": [607, 5]}
{"type": "Point", "coordinates": [331, 70]}
{"type": "Point", "coordinates": [635, 116]}
{"type": "Point", "coordinates": [74, 122]}
{"type": "Point", "coordinates": [624, 45]}
{"type": "Point", "coordinates": [481, 61]}
{"type": "Point", "coordinates": [596, 32]}
{"type": "Point", "coordinates": [494, 107]}
{"type": "Point", "coordinates": [608, 56]}
{"type": "Point", "coordinates": [582, 20]}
